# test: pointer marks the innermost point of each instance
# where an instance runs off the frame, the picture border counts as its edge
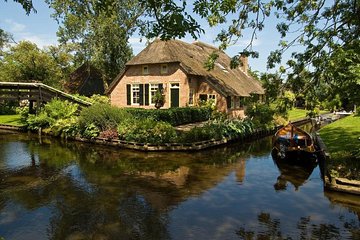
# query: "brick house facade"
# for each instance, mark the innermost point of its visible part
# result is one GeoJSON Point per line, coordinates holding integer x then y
{"type": "Point", "coordinates": [177, 69]}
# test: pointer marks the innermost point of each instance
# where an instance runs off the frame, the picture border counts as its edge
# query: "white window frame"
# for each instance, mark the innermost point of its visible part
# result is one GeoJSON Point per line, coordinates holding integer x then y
{"type": "Point", "coordinates": [153, 88]}
{"type": "Point", "coordinates": [135, 88]}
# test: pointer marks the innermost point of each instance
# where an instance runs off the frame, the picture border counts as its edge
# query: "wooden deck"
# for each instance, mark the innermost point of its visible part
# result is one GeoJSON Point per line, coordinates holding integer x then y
{"type": "Point", "coordinates": [35, 93]}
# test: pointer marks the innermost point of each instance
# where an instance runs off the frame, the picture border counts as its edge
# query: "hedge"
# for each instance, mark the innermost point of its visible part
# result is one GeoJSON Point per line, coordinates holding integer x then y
{"type": "Point", "coordinates": [174, 116]}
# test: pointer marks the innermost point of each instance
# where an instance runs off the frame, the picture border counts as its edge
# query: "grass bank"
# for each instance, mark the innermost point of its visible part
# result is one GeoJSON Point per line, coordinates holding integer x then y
{"type": "Point", "coordinates": [14, 120]}
{"type": "Point", "coordinates": [342, 141]}
{"type": "Point", "coordinates": [297, 113]}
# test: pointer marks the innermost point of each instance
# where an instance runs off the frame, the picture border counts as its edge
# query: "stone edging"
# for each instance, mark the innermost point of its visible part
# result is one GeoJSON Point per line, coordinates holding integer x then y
{"type": "Point", "coordinates": [336, 183]}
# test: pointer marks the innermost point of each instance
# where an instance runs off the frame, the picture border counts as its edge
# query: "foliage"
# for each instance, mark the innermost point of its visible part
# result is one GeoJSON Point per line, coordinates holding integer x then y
{"type": "Point", "coordinates": [146, 131]}
{"type": "Point", "coordinates": [272, 83]}
{"type": "Point", "coordinates": [313, 113]}
{"type": "Point", "coordinates": [57, 115]}
{"type": "Point", "coordinates": [99, 31]}
{"type": "Point", "coordinates": [26, 62]}
{"type": "Point", "coordinates": [109, 134]}
{"type": "Point", "coordinates": [96, 98]}
{"type": "Point", "coordinates": [334, 103]}
{"type": "Point", "coordinates": [174, 116]}
{"type": "Point", "coordinates": [260, 113]}
{"type": "Point", "coordinates": [8, 107]}
{"type": "Point", "coordinates": [218, 129]}
{"type": "Point", "coordinates": [27, 5]}
{"type": "Point", "coordinates": [159, 99]}
{"type": "Point", "coordinates": [103, 116]}
{"type": "Point", "coordinates": [90, 131]}
{"type": "Point", "coordinates": [66, 127]}
{"type": "Point", "coordinates": [285, 102]}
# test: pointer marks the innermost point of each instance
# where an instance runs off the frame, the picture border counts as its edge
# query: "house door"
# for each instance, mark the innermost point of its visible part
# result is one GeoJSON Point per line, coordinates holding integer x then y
{"type": "Point", "coordinates": [174, 95]}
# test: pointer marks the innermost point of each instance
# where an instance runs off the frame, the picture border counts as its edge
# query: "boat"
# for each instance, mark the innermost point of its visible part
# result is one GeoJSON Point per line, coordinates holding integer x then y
{"type": "Point", "coordinates": [294, 144]}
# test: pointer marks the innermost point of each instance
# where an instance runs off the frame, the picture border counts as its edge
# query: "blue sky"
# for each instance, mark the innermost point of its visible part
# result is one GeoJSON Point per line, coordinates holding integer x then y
{"type": "Point", "coordinates": [41, 29]}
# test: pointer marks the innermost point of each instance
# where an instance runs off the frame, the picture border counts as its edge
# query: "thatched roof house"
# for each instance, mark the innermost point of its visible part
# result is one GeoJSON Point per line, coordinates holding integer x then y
{"type": "Point", "coordinates": [85, 80]}
{"type": "Point", "coordinates": [178, 65]}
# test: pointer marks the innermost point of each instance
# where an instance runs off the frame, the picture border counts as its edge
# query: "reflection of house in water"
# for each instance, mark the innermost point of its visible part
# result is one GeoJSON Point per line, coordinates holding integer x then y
{"type": "Point", "coordinates": [177, 176]}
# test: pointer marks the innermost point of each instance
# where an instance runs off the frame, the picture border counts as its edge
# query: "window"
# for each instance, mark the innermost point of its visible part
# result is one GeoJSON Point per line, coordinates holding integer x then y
{"type": "Point", "coordinates": [175, 85]}
{"type": "Point", "coordinates": [145, 69]}
{"type": "Point", "coordinates": [212, 96]}
{"type": "Point", "coordinates": [232, 103]}
{"type": "Point", "coordinates": [241, 102]}
{"type": "Point", "coordinates": [135, 89]}
{"type": "Point", "coordinates": [191, 96]}
{"type": "Point", "coordinates": [153, 89]}
{"type": "Point", "coordinates": [164, 68]}
{"type": "Point", "coordinates": [203, 97]}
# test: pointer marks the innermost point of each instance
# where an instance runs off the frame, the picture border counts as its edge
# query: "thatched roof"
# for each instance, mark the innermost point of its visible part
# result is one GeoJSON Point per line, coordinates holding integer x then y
{"type": "Point", "coordinates": [191, 57]}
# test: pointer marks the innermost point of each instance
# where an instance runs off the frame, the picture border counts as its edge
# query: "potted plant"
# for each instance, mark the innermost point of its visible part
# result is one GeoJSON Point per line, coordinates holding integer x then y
{"type": "Point", "coordinates": [159, 99]}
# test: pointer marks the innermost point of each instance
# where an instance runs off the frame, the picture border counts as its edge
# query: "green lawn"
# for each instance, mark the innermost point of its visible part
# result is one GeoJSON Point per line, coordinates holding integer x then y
{"type": "Point", "coordinates": [296, 114]}
{"type": "Point", "coordinates": [11, 120]}
{"type": "Point", "coordinates": [342, 141]}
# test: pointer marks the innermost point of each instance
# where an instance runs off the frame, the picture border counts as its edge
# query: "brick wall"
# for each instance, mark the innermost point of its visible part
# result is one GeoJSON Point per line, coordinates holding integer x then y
{"type": "Point", "coordinates": [134, 75]}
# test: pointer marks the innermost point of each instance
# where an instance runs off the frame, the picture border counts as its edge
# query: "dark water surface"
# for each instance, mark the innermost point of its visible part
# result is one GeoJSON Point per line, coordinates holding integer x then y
{"type": "Point", "coordinates": [69, 190]}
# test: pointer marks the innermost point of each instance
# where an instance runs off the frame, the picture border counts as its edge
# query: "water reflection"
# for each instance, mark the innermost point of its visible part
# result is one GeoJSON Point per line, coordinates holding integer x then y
{"type": "Point", "coordinates": [271, 229]}
{"type": "Point", "coordinates": [68, 190]}
{"type": "Point", "coordinates": [297, 175]}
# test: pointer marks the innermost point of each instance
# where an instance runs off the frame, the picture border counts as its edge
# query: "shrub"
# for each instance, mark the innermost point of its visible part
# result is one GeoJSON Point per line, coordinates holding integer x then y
{"type": "Point", "coordinates": [8, 107]}
{"type": "Point", "coordinates": [313, 113]}
{"type": "Point", "coordinates": [96, 98]}
{"type": "Point", "coordinates": [90, 131]}
{"type": "Point", "coordinates": [260, 113]}
{"type": "Point", "coordinates": [109, 134]}
{"type": "Point", "coordinates": [59, 116]}
{"type": "Point", "coordinates": [103, 116]}
{"type": "Point", "coordinates": [146, 131]}
{"type": "Point", "coordinates": [219, 129]}
{"type": "Point", "coordinates": [174, 116]}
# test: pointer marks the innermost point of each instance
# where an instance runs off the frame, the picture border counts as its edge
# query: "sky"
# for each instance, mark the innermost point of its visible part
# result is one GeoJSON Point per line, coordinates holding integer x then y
{"type": "Point", "coordinates": [41, 29]}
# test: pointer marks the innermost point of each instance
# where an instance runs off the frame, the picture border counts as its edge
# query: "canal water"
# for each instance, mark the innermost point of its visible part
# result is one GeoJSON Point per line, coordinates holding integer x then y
{"type": "Point", "coordinates": [52, 189]}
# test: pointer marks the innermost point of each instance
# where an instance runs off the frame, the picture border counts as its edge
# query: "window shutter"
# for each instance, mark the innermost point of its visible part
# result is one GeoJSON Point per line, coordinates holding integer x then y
{"type": "Point", "coordinates": [228, 102]}
{"type": "Point", "coordinates": [161, 87]}
{"type": "Point", "coordinates": [128, 93]}
{"type": "Point", "coordinates": [147, 94]}
{"type": "Point", "coordinates": [141, 93]}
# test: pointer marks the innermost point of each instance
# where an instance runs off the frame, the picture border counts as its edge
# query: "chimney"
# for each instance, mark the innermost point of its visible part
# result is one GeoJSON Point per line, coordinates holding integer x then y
{"type": "Point", "coordinates": [244, 64]}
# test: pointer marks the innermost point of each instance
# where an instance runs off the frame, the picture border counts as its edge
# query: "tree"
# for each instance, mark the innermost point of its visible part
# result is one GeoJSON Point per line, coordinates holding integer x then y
{"type": "Point", "coordinates": [26, 62]}
{"type": "Point", "coordinates": [100, 31]}
{"type": "Point", "coordinates": [323, 28]}
{"type": "Point", "coordinates": [27, 5]}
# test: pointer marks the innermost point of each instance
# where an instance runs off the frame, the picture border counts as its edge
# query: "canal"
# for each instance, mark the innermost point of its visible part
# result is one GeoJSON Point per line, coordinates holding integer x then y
{"type": "Point", "coordinates": [52, 189]}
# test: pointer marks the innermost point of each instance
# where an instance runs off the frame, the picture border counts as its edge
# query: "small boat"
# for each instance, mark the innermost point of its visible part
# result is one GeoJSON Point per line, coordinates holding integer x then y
{"type": "Point", "coordinates": [293, 144]}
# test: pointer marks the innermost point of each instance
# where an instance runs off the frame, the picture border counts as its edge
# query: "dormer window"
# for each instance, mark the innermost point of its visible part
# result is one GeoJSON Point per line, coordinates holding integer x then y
{"type": "Point", "coordinates": [145, 69]}
{"type": "Point", "coordinates": [164, 68]}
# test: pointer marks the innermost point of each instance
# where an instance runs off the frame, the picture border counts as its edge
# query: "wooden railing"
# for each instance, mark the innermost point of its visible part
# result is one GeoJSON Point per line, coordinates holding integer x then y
{"type": "Point", "coordinates": [35, 92]}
